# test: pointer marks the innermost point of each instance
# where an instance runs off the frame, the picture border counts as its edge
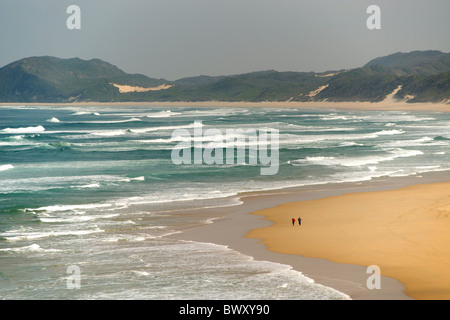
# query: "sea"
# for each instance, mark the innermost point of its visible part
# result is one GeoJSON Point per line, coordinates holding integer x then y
{"type": "Point", "coordinates": [90, 195]}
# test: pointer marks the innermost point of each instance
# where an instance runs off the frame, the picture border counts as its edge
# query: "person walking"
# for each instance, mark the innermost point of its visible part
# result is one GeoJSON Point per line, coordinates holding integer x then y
{"type": "Point", "coordinates": [293, 221]}
{"type": "Point", "coordinates": [299, 221]}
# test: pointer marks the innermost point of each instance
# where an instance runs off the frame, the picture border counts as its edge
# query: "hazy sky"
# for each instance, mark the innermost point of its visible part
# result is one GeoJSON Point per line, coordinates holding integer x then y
{"type": "Point", "coordinates": [172, 39]}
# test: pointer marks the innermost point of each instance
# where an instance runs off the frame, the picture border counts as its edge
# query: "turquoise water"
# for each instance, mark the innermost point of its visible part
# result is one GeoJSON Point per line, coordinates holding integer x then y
{"type": "Point", "coordinates": [96, 187]}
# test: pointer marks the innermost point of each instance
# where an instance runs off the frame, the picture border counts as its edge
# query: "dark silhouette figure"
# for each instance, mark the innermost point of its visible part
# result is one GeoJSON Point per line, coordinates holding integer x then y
{"type": "Point", "coordinates": [293, 221]}
{"type": "Point", "coordinates": [299, 221]}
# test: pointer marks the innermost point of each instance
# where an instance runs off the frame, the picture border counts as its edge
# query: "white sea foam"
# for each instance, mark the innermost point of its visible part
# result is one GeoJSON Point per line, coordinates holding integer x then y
{"type": "Point", "coordinates": [163, 114]}
{"type": "Point", "coordinates": [350, 144]}
{"type": "Point", "coordinates": [109, 133]}
{"type": "Point", "coordinates": [119, 132]}
{"type": "Point", "coordinates": [36, 129]}
{"type": "Point", "coordinates": [15, 142]}
{"type": "Point", "coordinates": [310, 139]}
{"type": "Point", "coordinates": [81, 113]}
{"type": "Point", "coordinates": [6, 167]}
{"type": "Point", "coordinates": [29, 249]}
{"type": "Point", "coordinates": [165, 128]}
{"type": "Point", "coordinates": [126, 179]}
{"type": "Point", "coordinates": [88, 186]}
{"type": "Point", "coordinates": [57, 208]}
{"type": "Point", "coordinates": [141, 178]}
{"type": "Point", "coordinates": [55, 182]}
{"type": "Point", "coordinates": [108, 121]}
{"type": "Point", "coordinates": [41, 235]}
{"type": "Point", "coordinates": [389, 132]}
{"type": "Point", "coordinates": [358, 161]}
{"type": "Point", "coordinates": [67, 219]}
{"type": "Point", "coordinates": [424, 141]}
{"type": "Point", "coordinates": [54, 119]}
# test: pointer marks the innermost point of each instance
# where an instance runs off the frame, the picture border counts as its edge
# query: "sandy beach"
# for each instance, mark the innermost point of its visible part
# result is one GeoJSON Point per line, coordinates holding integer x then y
{"type": "Point", "coordinates": [400, 225]}
{"type": "Point", "coordinates": [387, 105]}
{"type": "Point", "coordinates": [404, 232]}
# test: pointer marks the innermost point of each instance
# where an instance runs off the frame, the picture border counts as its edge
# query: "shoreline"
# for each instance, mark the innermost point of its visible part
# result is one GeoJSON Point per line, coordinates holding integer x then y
{"type": "Point", "coordinates": [403, 231]}
{"type": "Point", "coordinates": [386, 105]}
{"type": "Point", "coordinates": [234, 223]}
{"type": "Point", "coordinates": [232, 226]}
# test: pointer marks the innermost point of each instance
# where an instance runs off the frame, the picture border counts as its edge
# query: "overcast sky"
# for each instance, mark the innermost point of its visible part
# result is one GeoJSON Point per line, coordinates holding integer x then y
{"type": "Point", "coordinates": [172, 39]}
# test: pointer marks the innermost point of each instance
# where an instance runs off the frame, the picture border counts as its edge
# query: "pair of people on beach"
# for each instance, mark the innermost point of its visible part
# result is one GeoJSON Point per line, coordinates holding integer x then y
{"type": "Point", "coordinates": [299, 221]}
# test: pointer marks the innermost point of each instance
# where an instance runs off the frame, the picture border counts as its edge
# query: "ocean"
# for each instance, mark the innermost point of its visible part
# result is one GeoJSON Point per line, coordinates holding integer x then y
{"type": "Point", "coordinates": [94, 189]}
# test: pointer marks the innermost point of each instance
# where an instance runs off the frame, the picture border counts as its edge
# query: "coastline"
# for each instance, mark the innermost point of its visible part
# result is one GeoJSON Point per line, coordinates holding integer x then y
{"type": "Point", "coordinates": [386, 105]}
{"type": "Point", "coordinates": [403, 231]}
{"type": "Point", "coordinates": [246, 229]}
{"type": "Point", "coordinates": [235, 223]}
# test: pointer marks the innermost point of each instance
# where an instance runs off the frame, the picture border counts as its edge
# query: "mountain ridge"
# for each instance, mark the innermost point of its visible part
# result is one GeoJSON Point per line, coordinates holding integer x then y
{"type": "Point", "coordinates": [423, 76]}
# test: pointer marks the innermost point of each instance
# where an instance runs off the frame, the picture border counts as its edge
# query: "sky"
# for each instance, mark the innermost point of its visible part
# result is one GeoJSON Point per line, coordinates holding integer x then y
{"type": "Point", "coordinates": [172, 39]}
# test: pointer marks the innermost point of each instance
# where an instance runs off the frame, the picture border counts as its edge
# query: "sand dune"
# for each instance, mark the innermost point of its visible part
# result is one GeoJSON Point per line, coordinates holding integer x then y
{"type": "Point", "coordinates": [125, 88]}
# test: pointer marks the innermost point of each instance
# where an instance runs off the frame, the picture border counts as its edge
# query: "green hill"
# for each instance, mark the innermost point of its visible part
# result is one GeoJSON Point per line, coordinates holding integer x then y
{"type": "Point", "coordinates": [424, 76]}
{"type": "Point", "coordinates": [50, 79]}
{"type": "Point", "coordinates": [415, 62]}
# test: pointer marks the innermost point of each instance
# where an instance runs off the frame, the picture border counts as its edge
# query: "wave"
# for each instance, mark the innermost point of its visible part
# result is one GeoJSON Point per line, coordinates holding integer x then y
{"type": "Point", "coordinates": [6, 167]}
{"type": "Point", "coordinates": [60, 145]}
{"type": "Point", "coordinates": [163, 128]}
{"type": "Point", "coordinates": [105, 121]}
{"type": "Point", "coordinates": [441, 138]}
{"type": "Point", "coordinates": [31, 248]}
{"type": "Point", "coordinates": [389, 132]}
{"type": "Point", "coordinates": [61, 182]}
{"type": "Point", "coordinates": [218, 140]}
{"type": "Point", "coordinates": [163, 114]}
{"type": "Point", "coordinates": [119, 132]}
{"type": "Point", "coordinates": [65, 219]}
{"type": "Point", "coordinates": [357, 161]}
{"type": "Point", "coordinates": [396, 118]}
{"type": "Point", "coordinates": [40, 235]}
{"type": "Point", "coordinates": [88, 186]}
{"type": "Point", "coordinates": [136, 145]}
{"type": "Point", "coordinates": [308, 139]}
{"type": "Point", "coordinates": [54, 120]}
{"type": "Point", "coordinates": [109, 133]}
{"type": "Point", "coordinates": [142, 178]}
{"type": "Point", "coordinates": [13, 138]}
{"type": "Point", "coordinates": [59, 208]}
{"type": "Point", "coordinates": [350, 144]}
{"type": "Point", "coordinates": [178, 195]}
{"type": "Point", "coordinates": [82, 113]}
{"type": "Point", "coordinates": [424, 141]}
{"type": "Point", "coordinates": [338, 117]}
{"type": "Point", "coordinates": [36, 129]}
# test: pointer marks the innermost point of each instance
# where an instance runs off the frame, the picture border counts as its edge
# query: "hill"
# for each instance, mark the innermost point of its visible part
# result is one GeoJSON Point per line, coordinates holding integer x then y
{"type": "Point", "coordinates": [416, 62]}
{"type": "Point", "coordinates": [422, 76]}
{"type": "Point", "coordinates": [50, 79]}
{"type": "Point", "coordinates": [418, 76]}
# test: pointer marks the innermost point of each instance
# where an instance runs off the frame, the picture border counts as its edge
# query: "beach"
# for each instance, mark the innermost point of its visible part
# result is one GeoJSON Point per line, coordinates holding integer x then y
{"type": "Point", "coordinates": [404, 232]}
{"type": "Point", "coordinates": [388, 104]}
{"type": "Point", "coordinates": [401, 228]}
{"type": "Point", "coordinates": [102, 193]}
